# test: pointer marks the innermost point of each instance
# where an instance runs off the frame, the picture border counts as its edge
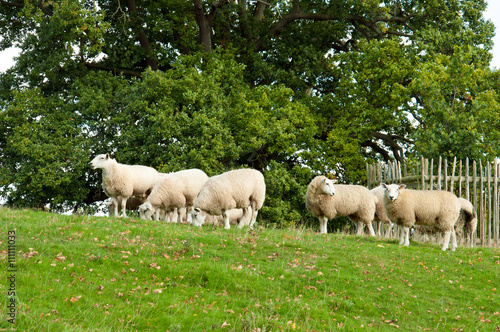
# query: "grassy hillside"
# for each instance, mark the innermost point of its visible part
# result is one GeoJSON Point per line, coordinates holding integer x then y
{"type": "Point", "coordinates": [81, 273]}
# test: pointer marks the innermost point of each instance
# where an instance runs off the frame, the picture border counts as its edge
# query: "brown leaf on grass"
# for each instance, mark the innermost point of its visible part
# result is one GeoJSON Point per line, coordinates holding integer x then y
{"type": "Point", "coordinates": [225, 324]}
{"type": "Point", "coordinates": [74, 299]}
{"type": "Point", "coordinates": [30, 254]}
{"type": "Point", "coordinates": [100, 287]}
{"type": "Point", "coordinates": [154, 266]}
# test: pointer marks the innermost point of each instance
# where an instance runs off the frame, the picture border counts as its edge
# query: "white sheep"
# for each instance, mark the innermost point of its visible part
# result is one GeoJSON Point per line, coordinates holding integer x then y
{"type": "Point", "coordinates": [380, 215]}
{"type": "Point", "coordinates": [467, 219]}
{"type": "Point", "coordinates": [325, 201]}
{"type": "Point", "coordinates": [120, 181]}
{"type": "Point", "coordinates": [177, 190]}
{"type": "Point", "coordinates": [237, 189]}
{"type": "Point", "coordinates": [407, 207]}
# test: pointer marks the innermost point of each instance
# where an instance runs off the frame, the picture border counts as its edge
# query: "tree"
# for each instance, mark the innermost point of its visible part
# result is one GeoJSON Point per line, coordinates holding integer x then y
{"type": "Point", "coordinates": [293, 88]}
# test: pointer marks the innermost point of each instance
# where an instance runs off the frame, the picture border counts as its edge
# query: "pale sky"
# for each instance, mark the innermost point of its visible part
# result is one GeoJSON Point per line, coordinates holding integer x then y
{"type": "Point", "coordinates": [492, 12]}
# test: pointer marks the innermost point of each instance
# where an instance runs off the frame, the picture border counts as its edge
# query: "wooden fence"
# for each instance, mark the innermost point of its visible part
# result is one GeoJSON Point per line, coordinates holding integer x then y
{"type": "Point", "coordinates": [473, 181]}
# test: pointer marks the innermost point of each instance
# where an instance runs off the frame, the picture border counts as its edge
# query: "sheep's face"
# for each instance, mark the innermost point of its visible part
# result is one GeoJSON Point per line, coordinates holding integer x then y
{"type": "Point", "coordinates": [146, 211]}
{"type": "Point", "coordinates": [327, 187]}
{"type": "Point", "coordinates": [100, 161]}
{"type": "Point", "coordinates": [198, 217]}
{"type": "Point", "coordinates": [392, 190]}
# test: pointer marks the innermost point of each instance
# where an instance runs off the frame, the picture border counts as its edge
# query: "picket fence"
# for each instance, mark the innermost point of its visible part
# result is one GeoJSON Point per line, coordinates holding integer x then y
{"type": "Point", "coordinates": [473, 181]}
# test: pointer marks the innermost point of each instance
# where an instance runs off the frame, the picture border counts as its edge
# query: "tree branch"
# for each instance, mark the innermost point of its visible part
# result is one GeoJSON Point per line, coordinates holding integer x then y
{"type": "Point", "coordinates": [126, 72]}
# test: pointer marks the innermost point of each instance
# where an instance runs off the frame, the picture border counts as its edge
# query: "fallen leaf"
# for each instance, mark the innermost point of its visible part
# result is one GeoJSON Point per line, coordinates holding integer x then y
{"type": "Point", "coordinates": [74, 299]}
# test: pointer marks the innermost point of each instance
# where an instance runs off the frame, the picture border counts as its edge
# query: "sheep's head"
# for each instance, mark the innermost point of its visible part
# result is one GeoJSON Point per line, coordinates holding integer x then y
{"type": "Point", "coordinates": [327, 187]}
{"type": "Point", "coordinates": [198, 217]}
{"type": "Point", "coordinates": [392, 190]}
{"type": "Point", "coordinates": [100, 161]}
{"type": "Point", "coordinates": [146, 211]}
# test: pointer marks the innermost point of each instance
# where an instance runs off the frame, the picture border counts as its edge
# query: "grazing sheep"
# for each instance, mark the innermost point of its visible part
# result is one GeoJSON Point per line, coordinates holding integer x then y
{"type": "Point", "coordinates": [325, 200]}
{"type": "Point", "coordinates": [120, 181]}
{"type": "Point", "coordinates": [177, 190]}
{"type": "Point", "coordinates": [380, 215]}
{"type": "Point", "coordinates": [407, 207]}
{"type": "Point", "coordinates": [238, 189]}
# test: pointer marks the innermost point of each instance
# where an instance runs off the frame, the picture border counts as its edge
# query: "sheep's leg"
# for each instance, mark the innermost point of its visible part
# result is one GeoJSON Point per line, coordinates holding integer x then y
{"type": "Point", "coordinates": [116, 203]}
{"type": "Point", "coordinates": [189, 218]}
{"type": "Point", "coordinates": [182, 214]}
{"type": "Point", "coordinates": [453, 240]}
{"type": "Point", "coordinates": [241, 224]}
{"type": "Point", "coordinates": [225, 216]}
{"type": "Point", "coordinates": [174, 215]}
{"type": "Point", "coordinates": [388, 230]}
{"type": "Point", "coordinates": [370, 228]}
{"type": "Point", "coordinates": [379, 226]}
{"type": "Point", "coordinates": [124, 207]}
{"type": "Point", "coordinates": [361, 225]}
{"type": "Point", "coordinates": [447, 235]}
{"type": "Point", "coordinates": [402, 235]}
{"type": "Point", "coordinates": [323, 221]}
{"type": "Point", "coordinates": [254, 214]}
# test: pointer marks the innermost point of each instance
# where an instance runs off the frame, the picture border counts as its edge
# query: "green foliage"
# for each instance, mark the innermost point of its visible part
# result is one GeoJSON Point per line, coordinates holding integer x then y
{"type": "Point", "coordinates": [292, 88]}
{"type": "Point", "coordinates": [112, 274]}
{"type": "Point", "coordinates": [42, 161]}
{"type": "Point", "coordinates": [456, 98]}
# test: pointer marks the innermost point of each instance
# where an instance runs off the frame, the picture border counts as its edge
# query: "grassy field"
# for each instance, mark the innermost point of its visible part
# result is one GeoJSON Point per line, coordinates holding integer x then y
{"type": "Point", "coordinates": [85, 273]}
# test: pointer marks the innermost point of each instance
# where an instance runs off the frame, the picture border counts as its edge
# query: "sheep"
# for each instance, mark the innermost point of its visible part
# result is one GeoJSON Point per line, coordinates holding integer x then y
{"type": "Point", "coordinates": [325, 200]}
{"type": "Point", "coordinates": [120, 181]}
{"type": "Point", "coordinates": [407, 207]}
{"type": "Point", "coordinates": [380, 215]}
{"type": "Point", "coordinates": [237, 189]}
{"type": "Point", "coordinates": [467, 219]}
{"type": "Point", "coordinates": [175, 191]}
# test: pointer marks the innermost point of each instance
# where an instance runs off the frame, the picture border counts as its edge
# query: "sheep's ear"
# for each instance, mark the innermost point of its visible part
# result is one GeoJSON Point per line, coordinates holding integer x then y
{"type": "Point", "coordinates": [384, 185]}
{"type": "Point", "coordinates": [402, 186]}
{"type": "Point", "coordinates": [335, 180]}
{"type": "Point", "coordinates": [107, 156]}
{"type": "Point", "coordinates": [197, 210]}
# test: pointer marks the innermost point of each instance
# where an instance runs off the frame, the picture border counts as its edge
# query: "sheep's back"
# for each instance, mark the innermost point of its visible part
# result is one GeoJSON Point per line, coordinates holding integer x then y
{"type": "Point", "coordinates": [190, 182]}
{"type": "Point", "coordinates": [353, 199]}
{"type": "Point", "coordinates": [143, 177]}
{"type": "Point", "coordinates": [231, 190]}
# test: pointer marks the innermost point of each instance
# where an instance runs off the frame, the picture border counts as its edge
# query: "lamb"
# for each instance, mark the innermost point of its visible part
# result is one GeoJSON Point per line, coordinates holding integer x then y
{"type": "Point", "coordinates": [380, 215]}
{"type": "Point", "coordinates": [407, 207]}
{"type": "Point", "coordinates": [120, 181]}
{"type": "Point", "coordinates": [237, 189]}
{"type": "Point", "coordinates": [325, 200]}
{"type": "Point", "coordinates": [175, 191]}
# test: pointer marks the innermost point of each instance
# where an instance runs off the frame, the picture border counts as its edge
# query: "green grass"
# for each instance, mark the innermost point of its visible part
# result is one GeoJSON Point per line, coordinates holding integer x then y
{"type": "Point", "coordinates": [86, 273]}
